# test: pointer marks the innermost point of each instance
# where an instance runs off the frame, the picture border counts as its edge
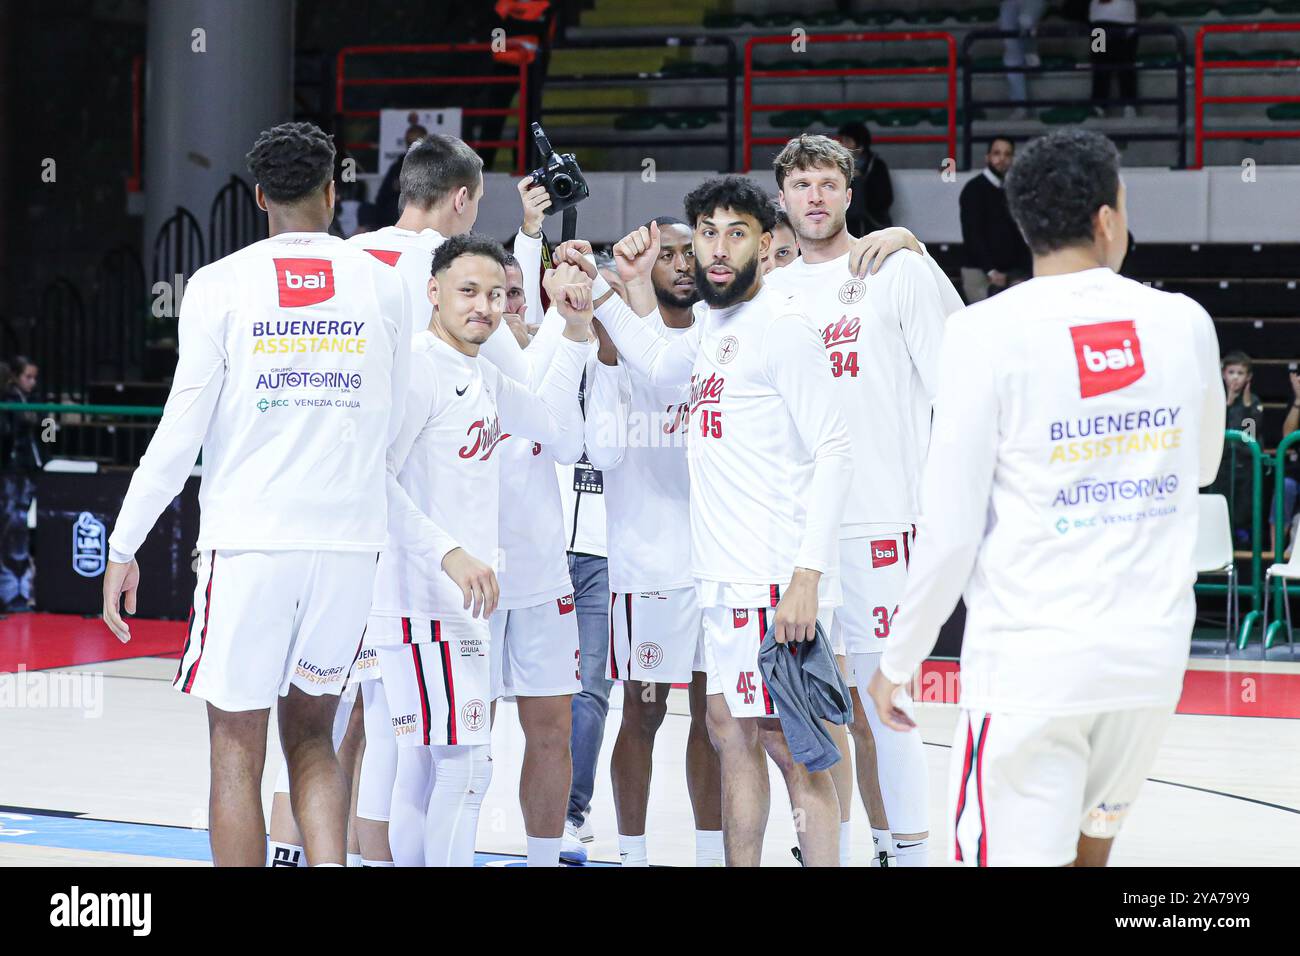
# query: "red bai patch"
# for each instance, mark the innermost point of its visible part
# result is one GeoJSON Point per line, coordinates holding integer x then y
{"type": "Point", "coordinates": [565, 604]}
{"type": "Point", "coordinates": [884, 553]}
{"type": "Point", "coordinates": [304, 281]}
{"type": "Point", "coordinates": [1109, 355]}
{"type": "Point", "coordinates": [739, 618]}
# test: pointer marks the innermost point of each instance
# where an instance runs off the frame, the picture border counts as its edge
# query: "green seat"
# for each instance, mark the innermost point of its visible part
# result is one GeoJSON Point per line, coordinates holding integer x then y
{"type": "Point", "coordinates": [937, 15]}
{"type": "Point", "coordinates": [1243, 8]}
{"type": "Point", "coordinates": [1223, 55]}
{"type": "Point", "coordinates": [987, 63]}
{"type": "Point", "coordinates": [838, 118]}
{"type": "Point", "coordinates": [1284, 112]}
{"type": "Point", "coordinates": [778, 20]}
{"type": "Point", "coordinates": [789, 63]}
{"type": "Point", "coordinates": [635, 122]}
{"type": "Point", "coordinates": [1060, 61]}
{"type": "Point", "coordinates": [1275, 53]}
{"type": "Point", "coordinates": [692, 69]}
{"type": "Point", "coordinates": [899, 118]}
{"type": "Point", "coordinates": [828, 18]}
{"type": "Point", "coordinates": [1065, 115]}
{"type": "Point", "coordinates": [893, 62]}
{"type": "Point", "coordinates": [1285, 6]}
{"type": "Point", "coordinates": [1193, 10]}
{"type": "Point", "coordinates": [879, 18]}
{"type": "Point", "coordinates": [796, 119]}
{"type": "Point", "coordinates": [691, 119]}
{"type": "Point", "coordinates": [843, 63]}
{"type": "Point", "coordinates": [1159, 60]}
{"type": "Point", "coordinates": [727, 21]}
{"type": "Point", "coordinates": [939, 117]}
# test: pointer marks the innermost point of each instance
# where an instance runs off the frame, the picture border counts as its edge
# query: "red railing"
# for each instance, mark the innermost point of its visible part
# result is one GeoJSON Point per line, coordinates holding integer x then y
{"type": "Point", "coordinates": [1201, 99]}
{"type": "Point", "coordinates": [950, 104]}
{"type": "Point", "coordinates": [519, 48]}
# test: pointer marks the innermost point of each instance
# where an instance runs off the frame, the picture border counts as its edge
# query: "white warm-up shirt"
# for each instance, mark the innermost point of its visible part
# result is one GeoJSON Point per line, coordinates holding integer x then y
{"type": "Point", "coordinates": [459, 410]}
{"type": "Point", "coordinates": [1076, 417]}
{"type": "Point", "coordinates": [636, 436]}
{"type": "Point", "coordinates": [769, 453]}
{"type": "Point", "coordinates": [411, 254]}
{"type": "Point", "coordinates": [292, 374]}
{"type": "Point", "coordinates": [882, 336]}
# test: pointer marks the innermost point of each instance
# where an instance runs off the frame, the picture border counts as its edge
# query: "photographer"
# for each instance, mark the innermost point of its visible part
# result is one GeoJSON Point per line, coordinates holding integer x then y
{"type": "Point", "coordinates": [20, 460]}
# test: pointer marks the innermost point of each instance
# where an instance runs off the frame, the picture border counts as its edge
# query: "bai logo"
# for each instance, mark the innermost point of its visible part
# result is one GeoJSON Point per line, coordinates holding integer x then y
{"type": "Point", "coordinates": [739, 617]}
{"type": "Point", "coordinates": [884, 553]}
{"type": "Point", "coordinates": [1109, 355]}
{"type": "Point", "coordinates": [565, 604]}
{"type": "Point", "coordinates": [75, 908]}
{"type": "Point", "coordinates": [304, 281]}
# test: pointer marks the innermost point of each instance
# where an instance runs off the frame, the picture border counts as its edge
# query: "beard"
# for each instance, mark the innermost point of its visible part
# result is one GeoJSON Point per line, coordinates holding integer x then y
{"type": "Point", "coordinates": [719, 298]}
{"type": "Point", "coordinates": [676, 300]}
{"type": "Point", "coordinates": [804, 228]}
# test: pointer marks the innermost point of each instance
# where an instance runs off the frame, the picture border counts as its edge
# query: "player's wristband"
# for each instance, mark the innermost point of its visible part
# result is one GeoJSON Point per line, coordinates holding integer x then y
{"type": "Point", "coordinates": [599, 287]}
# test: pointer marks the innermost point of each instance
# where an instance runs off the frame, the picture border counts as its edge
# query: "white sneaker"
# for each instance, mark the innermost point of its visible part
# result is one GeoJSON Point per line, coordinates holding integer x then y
{"type": "Point", "coordinates": [585, 833]}
{"type": "Point", "coordinates": [571, 848]}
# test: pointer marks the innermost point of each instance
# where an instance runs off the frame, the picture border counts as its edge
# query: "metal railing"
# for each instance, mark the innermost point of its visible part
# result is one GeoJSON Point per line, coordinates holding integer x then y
{"type": "Point", "coordinates": [949, 72]}
{"type": "Point", "coordinates": [970, 70]}
{"type": "Point", "coordinates": [75, 435]}
{"type": "Point", "coordinates": [659, 77]}
{"type": "Point", "coordinates": [234, 220]}
{"type": "Point", "coordinates": [1201, 99]}
{"type": "Point", "coordinates": [519, 79]}
{"type": "Point", "coordinates": [1254, 591]}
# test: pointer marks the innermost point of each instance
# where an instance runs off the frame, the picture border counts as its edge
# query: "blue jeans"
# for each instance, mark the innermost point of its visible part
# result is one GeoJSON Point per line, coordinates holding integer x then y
{"type": "Point", "coordinates": [591, 598]}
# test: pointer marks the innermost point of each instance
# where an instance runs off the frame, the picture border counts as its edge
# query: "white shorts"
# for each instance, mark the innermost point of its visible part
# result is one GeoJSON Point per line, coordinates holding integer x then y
{"type": "Point", "coordinates": [1022, 787]}
{"type": "Point", "coordinates": [665, 630]}
{"type": "Point", "coordinates": [438, 691]}
{"type": "Point", "coordinates": [535, 650]}
{"type": "Point", "coordinates": [873, 576]}
{"type": "Point", "coordinates": [366, 667]}
{"type": "Point", "coordinates": [732, 637]}
{"type": "Point", "coordinates": [265, 621]}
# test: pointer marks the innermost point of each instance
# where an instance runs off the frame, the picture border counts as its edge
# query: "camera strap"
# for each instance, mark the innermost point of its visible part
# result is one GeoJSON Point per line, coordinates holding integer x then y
{"type": "Point", "coordinates": [570, 227]}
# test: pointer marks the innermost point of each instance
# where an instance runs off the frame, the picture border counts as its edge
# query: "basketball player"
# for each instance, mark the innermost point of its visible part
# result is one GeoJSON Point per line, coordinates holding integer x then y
{"type": "Point", "coordinates": [636, 436]}
{"type": "Point", "coordinates": [441, 186]}
{"type": "Point", "coordinates": [1074, 553]}
{"type": "Point", "coordinates": [292, 374]}
{"type": "Point", "coordinates": [881, 336]}
{"type": "Point", "coordinates": [785, 248]}
{"type": "Point", "coordinates": [432, 636]}
{"type": "Point", "coordinates": [770, 465]}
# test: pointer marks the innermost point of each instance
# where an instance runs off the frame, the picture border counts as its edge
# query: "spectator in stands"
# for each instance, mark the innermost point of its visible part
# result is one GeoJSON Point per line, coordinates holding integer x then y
{"type": "Point", "coordinates": [1115, 48]}
{"type": "Point", "coordinates": [995, 252]}
{"type": "Point", "coordinates": [20, 460]}
{"type": "Point", "coordinates": [1291, 476]}
{"type": "Point", "coordinates": [1244, 414]}
{"type": "Point", "coordinates": [873, 193]}
{"type": "Point", "coordinates": [1022, 50]}
{"type": "Point", "coordinates": [387, 207]}
{"type": "Point", "coordinates": [784, 248]}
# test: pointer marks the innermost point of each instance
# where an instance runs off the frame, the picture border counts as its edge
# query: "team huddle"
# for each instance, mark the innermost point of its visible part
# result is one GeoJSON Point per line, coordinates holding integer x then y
{"type": "Point", "coordinates": [798, 436]}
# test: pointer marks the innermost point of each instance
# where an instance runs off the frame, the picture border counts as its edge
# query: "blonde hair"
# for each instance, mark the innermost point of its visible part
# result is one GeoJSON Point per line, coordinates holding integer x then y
{"type": "Point", "coordinates": [809, 151]}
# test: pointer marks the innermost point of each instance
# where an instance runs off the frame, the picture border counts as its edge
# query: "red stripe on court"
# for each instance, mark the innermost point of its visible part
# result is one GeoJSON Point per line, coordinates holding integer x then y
{"type": "Point", "coordinates": [1206, 693]}
{"type": "Point", "coordinates": [42, 641]}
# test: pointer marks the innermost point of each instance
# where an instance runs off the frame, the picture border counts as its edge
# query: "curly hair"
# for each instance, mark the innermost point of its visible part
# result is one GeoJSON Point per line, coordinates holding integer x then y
{"type": "Point", "coordinates": [291, 161]}
{"type": "Point", "coordinates": [738, 193]}
{"type": "Point", "coordinates": [467, 244]}
{"type": "Point", "coordinates": [1058, 183]}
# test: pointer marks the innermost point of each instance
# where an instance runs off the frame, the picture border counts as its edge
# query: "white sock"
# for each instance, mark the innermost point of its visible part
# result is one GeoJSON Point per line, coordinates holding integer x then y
{"type": "Point", "coordinates": [544, 851]}
{"type": "Point", "coordinates": [631, 849]}
{"type": "Point", "coordinates": [461, 777]}
{"type": "Point", "coordinates": [354, 859]}
{"type": "Point", "coordinates": [329, 864]}
{"type": "Point", "coordinates": [377, 863]}
{"type": "Point", "coordinates": [284, 854]}
{"type": "Point", "coordinates": [912, 852]}
{"type": "Point", "coordinates": [708, 848]}
{"type": "Point", "coordinates": [881, 842]}
{"type": "Point", "coordinates": [846, 848]}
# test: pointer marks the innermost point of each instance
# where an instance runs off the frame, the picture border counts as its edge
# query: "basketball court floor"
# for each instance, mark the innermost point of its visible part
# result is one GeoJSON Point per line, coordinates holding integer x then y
{"type": "Point", "coordinates": [102, 763]}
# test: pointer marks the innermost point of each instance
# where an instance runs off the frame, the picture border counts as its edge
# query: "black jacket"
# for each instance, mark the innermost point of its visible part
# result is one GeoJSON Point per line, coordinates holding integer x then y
{"type": "Point", "coordinates": [873, 194]}
{"type": "Point", "coordinates": [20, 451]}
{"type": "Point", "coordinates": [990, 237]}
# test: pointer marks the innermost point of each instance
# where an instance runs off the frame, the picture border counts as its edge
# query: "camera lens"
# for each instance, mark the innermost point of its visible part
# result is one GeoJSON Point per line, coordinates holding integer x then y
{"type": "Point", "coordinates": [562, 186]}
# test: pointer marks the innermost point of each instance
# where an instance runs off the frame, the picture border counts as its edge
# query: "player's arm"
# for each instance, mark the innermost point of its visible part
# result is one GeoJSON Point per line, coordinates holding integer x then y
{"type": "Point", "coordinates": [551, 415]}
{"type": "Point", "coordinates": [397, 312]}
{"type": "Point", "coordinates": [955, 491]}
{"type": "Point", "coordinates": [1214, 412]}
{"type": "Point", "coordinates": [796, 364]}
{"type": "Point", "coordinates": [915, 299]}
{"type": "Point", "coordinates": [200, 374]}
{"type": "Point", "coordinates": [609, 393]}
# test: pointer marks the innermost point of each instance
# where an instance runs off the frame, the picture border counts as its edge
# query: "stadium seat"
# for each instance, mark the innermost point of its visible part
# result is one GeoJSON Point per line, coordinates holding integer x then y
{"type": "Point", "coordinates": [1290, 571]}
{"type": "Point", "coordinates": [1065, 115]}
{"type": "Point", "coordinates": [938, 15]}
{"type": "Point", "coordinates": [796, 119]}
{"type": "Point", "coordinates": [977, 15]}
{"type": "Point", "coordinates": [901, 117]}
{"type": "Point", "coordinates": [879, 18]}
{"type": "Point", "coordinates": [838, 118]}
{"type": "Point", "coordinates": [1194, 10]}
{"type": "Point", "coordinates": [635, 122]}
{"type": "Point", "coordinates": [1213, 551]}
{"type": "Point", "coordinates": [1243, 8]}
{"type": "Point", "coordinates": [691, 119]}
{"type": "Point", "coordinates": [1284, 112]}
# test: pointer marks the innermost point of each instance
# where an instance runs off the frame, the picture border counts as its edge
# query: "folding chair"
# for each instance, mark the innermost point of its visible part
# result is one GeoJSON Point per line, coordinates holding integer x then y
{"type": "Point", "coordinates": [1213, 554]}
{"type": "Point", "coordinates": [1289, 571]}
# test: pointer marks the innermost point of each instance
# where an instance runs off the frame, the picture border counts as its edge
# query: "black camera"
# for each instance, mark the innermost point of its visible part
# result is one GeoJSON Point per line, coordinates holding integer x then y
{"type": "Point", "coordinates": [559, 173]}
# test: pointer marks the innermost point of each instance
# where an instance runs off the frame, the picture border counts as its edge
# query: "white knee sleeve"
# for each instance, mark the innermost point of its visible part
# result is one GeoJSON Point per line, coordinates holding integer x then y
{"type": "Point", "coordinates": [379, 761]}
{"type": "Point", "coordinates": [461, 778]}
{"type": "Point", "coordinates": [900, 761]}
{"type": "Point", "coordinates": [410, 805]}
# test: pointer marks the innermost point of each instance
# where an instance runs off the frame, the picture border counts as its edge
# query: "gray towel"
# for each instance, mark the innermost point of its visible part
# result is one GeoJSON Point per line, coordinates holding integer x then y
{"type": "Point", "coordinates": [807, 687]}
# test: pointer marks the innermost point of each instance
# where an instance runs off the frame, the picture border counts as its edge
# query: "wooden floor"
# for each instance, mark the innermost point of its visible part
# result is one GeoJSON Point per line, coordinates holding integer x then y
{"type": "Point", "coordinates": [121, 779]}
